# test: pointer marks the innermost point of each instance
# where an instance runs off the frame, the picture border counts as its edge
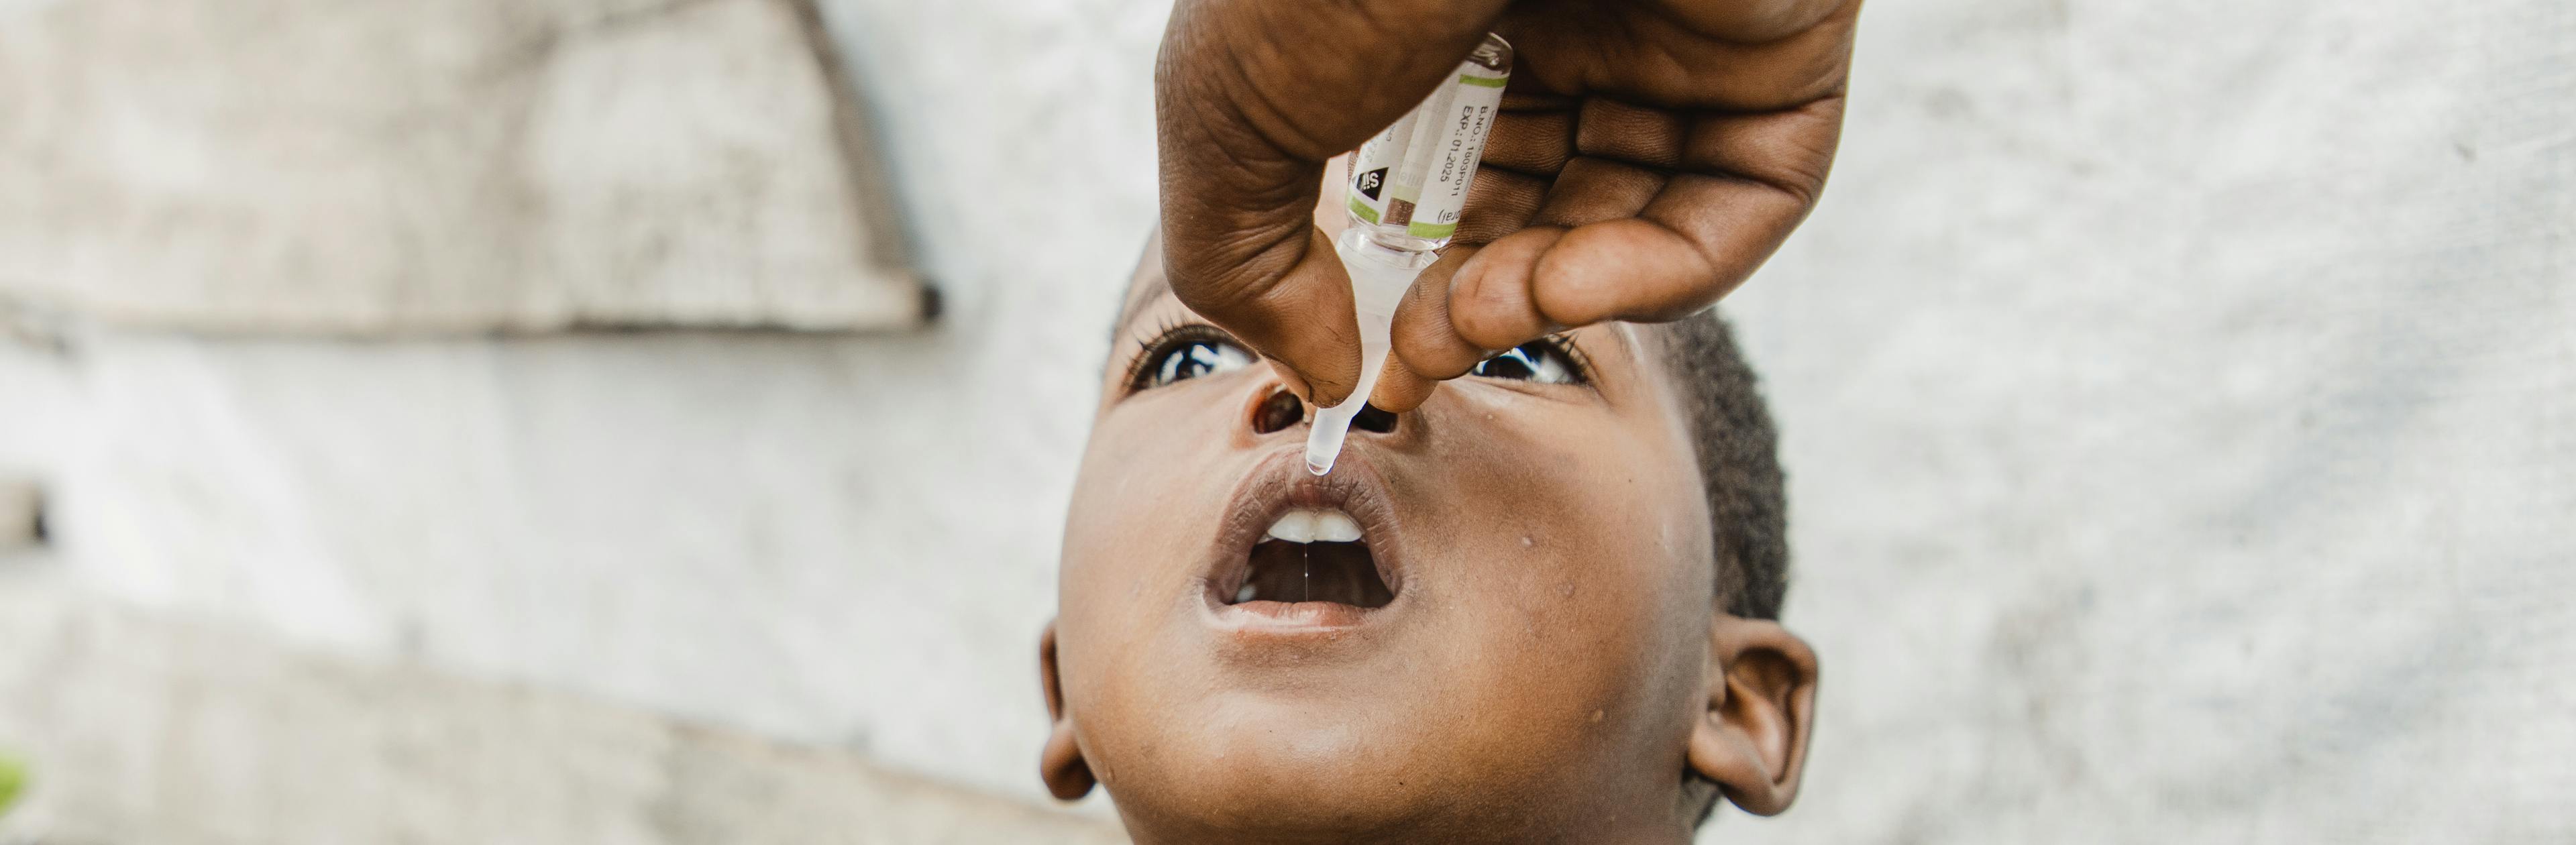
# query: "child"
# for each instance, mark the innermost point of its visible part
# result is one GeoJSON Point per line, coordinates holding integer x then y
{"type": "Point", "coordinates": [1535, 609]}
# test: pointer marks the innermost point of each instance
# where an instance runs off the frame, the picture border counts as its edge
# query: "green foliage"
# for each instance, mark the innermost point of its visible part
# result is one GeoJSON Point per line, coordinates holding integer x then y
{"type": "Point", "coordinates": [13, 776]}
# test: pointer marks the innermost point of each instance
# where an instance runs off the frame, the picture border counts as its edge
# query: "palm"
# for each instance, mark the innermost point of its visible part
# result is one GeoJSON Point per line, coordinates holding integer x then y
{"type": "Point", "coordinates": [1657, 112]}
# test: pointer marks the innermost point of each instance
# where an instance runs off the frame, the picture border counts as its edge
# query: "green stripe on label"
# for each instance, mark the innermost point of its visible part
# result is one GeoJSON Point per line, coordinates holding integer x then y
{"type": "Point", "coordinates": [1431, 230]}
{"type": "Point", "coordinates": [1363, 211]}
{"type": "Point", "coordinates": [1482, 81]}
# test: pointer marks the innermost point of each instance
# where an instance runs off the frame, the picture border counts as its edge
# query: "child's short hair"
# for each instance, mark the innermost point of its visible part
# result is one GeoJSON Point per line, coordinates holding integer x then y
{"type": "Point", "coordinates": [1739, 467]}
{"type": "Point", "coordinates": [1739, 462]}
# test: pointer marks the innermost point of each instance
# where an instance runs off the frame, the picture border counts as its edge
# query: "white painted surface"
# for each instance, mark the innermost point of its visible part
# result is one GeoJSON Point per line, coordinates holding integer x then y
{"type": "Point", "coordinates": [2176, 398]}
{"type": "Point", "coordinates": [2178, 403]}
{"type": "Point", "coordinates": [147, 728]}
{"type": "Point", "coordinates": [311, 166]}
{"type": "Point", "coordinates": [846, 541]}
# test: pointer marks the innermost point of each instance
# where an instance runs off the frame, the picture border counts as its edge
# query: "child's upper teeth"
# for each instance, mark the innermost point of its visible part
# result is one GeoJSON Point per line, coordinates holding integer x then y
{"type": "Point", "coordinates": [1315, 525]}
{"type": "Point", "coordinates": [1294, 527]}
{"type": "Point", "coordinates": [1336, 527]}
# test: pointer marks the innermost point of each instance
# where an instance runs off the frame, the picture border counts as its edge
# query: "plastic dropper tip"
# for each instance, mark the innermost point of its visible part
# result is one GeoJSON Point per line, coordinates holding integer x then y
{"type": "Point", "coordinates": [1319, 464]}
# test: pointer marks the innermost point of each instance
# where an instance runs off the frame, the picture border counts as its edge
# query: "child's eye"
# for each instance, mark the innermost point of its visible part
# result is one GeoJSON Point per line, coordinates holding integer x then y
{"type": "Point", "coordinates": [1184, 355]}
{"type": "Point", "coordinates": [1544, 361]}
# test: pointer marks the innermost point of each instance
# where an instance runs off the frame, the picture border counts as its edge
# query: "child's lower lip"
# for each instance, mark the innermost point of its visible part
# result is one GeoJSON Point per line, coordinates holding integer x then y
{"type": "Point", "coordinates": [1284, 616]}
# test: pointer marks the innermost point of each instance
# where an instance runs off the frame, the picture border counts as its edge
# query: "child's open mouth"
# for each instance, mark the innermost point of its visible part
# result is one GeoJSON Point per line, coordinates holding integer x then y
{"type": "Point", "coordinates": [1306, 556]}
{"type": "Point", "coordinates": [1314, 554]}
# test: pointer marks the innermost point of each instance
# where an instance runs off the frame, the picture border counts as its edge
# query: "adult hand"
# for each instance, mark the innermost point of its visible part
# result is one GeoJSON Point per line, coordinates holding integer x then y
{"type": "Point", "coordinates": [1650, 154]}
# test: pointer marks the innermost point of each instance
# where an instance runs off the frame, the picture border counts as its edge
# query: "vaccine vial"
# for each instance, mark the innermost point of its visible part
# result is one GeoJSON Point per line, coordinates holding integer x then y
{"type": "Point", "coordinates": [1408, 184]}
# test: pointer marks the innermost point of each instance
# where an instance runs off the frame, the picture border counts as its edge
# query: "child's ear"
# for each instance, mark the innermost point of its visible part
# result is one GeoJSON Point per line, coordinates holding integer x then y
{"type": "Point", "coordinates": [1061, 764]}
{"type": "Point", "coordinates": [1761, 702]}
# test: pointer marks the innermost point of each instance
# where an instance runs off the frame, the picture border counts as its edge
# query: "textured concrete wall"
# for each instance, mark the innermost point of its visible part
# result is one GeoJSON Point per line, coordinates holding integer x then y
{"type": "Point", "coordinates": [325, 167]}
{"type": "Point", "coordinates": [2176, 397]}
{"type": "Point", "coordinates": [2180, 406]}
{"type": "Point", "coordinates": [844, 542]}
{"type": "Point", "coordinates": [167, 730]}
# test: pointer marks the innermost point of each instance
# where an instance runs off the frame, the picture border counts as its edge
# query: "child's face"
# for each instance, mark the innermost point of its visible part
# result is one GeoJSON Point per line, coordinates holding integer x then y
{"type": "Point", "coordinates": [1519, 640]}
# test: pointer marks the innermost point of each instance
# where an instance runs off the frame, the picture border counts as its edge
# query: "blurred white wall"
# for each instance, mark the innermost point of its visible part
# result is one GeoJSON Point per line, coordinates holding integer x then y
{"type": "Point", "coordinates": [843, 541]}
{"type": "Point", "coordinates": [2176, 396]}
{"type": "Point", "coordinates": [303, 167]}
{"type": "Point", "coordinates": [2180, 407]}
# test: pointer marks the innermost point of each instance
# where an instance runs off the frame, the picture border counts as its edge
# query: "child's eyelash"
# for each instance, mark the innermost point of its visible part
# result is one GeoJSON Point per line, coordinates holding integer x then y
{"type": "Point", "coordinates": [1172, 332]}
{"type": "Point", "coordinates": [1563, 343]}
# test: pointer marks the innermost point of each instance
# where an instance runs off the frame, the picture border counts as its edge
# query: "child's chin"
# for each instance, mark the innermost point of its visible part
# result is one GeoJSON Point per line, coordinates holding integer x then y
{"type": "Point", "coordinates": [1326, 803]}
{"type": "Point", "coordinates": [1311, 779]}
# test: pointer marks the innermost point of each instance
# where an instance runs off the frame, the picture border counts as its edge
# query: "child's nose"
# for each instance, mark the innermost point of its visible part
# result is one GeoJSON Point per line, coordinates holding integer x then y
{"type": "Point", "coordinates": [1281, 410]}
{"type": "Point", "coordinates": [1370, 418]}
{"type": "Point", "coordinates": [1277, 412]}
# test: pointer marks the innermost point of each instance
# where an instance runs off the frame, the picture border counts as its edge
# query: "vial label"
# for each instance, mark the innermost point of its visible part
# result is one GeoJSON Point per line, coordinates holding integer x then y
{"type": "Point", "coordinates": [1413, 177]}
